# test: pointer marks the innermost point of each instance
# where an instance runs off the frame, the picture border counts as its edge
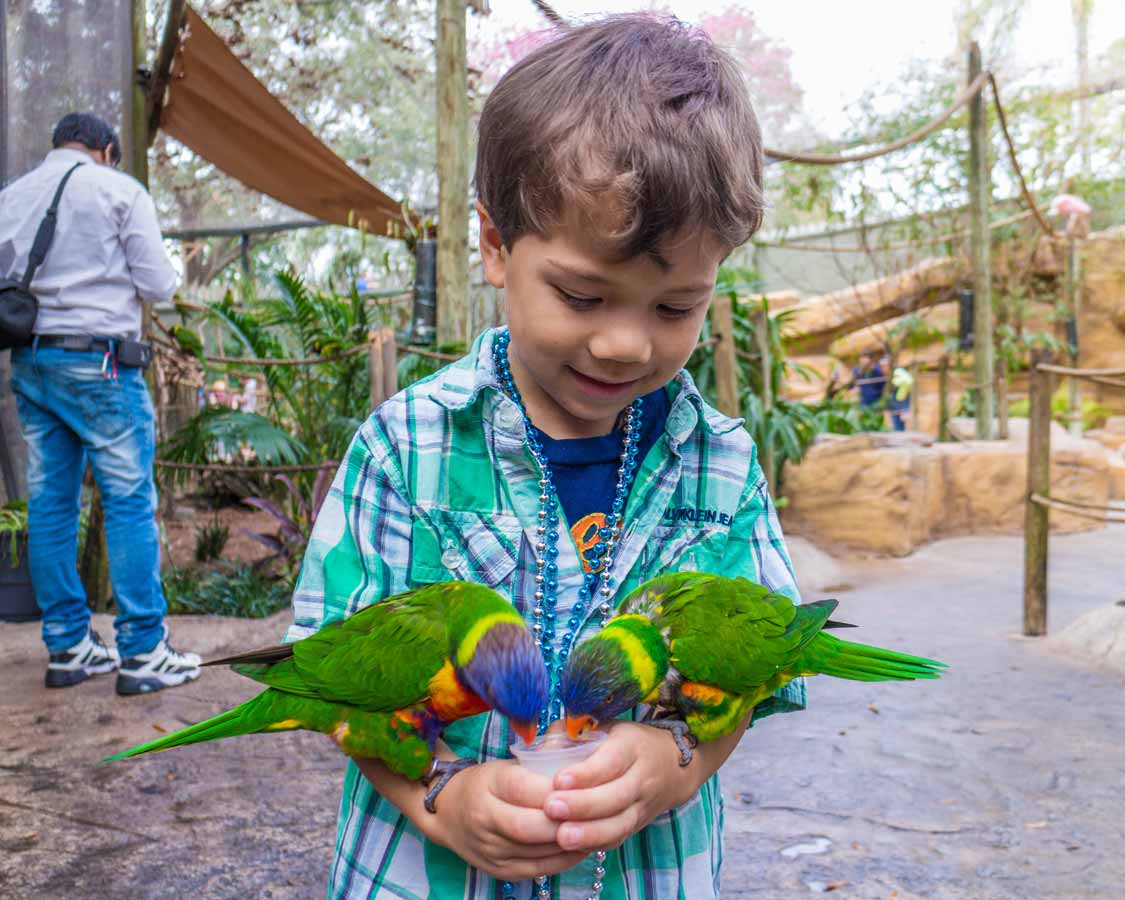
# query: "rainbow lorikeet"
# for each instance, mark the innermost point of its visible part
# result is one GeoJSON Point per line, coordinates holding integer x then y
{"type": "Point", "coordinates": [704, 650]}
{"type": "Point", "coordinates": [386, 681]}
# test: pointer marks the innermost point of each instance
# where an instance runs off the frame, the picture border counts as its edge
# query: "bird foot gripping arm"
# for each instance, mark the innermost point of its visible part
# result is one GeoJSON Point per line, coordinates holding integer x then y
{"type": "Point", "coordinates": [439, 775]}
{"type": "Point", "coordinates": [681, 731]}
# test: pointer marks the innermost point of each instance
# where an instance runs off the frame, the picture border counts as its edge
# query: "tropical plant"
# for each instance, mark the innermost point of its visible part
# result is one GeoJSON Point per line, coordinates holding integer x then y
{"type": "Point", "coordinates": [232, 589]}
{"type": "Point", "coordinates": [13, 529]}
{"type": "Point", "coordinates": [295, 521]}
{"type": "Point", "coordinates": [1093, 414]}
{"type": "Point", "coordinates": [788, 428]}
{"type": "Point", "coordinates": [311, 410]}
{"type": "Point", "coordinates": [210, 540]}
{"type": "Point", "coordinates": [412, 367]}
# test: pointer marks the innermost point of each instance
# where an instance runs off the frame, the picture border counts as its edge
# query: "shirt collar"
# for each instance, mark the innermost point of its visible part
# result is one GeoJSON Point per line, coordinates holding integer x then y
{"type": "Point", "coordinates": [68, 155]}
{"type": "Point", "coordinates": [463, 381]}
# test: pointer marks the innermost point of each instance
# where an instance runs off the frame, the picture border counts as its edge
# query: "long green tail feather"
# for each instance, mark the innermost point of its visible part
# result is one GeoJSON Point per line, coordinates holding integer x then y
{"type": "Point", "coordinates": [828, 655]}
{"type": "Point", "coordinates": [226, 724]}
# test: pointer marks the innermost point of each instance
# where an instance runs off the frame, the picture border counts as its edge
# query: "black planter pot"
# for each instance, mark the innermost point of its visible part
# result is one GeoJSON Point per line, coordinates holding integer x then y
{"type": "Point", "coordinates": [17, 599]}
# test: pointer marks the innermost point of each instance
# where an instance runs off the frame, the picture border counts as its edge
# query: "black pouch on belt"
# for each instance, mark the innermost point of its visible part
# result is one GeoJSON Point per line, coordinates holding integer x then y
{"type": "Point", "coordinates": [134, 354]}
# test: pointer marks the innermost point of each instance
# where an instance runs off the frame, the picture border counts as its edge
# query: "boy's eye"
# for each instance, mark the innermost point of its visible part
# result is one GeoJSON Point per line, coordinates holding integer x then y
{"type": "Point", "coordinates": [577, 302]}
{"type": "Point", "coordinates": [675, 312]}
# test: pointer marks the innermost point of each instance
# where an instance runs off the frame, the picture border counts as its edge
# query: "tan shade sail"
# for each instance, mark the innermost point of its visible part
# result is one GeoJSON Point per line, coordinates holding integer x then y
{"type": "Point", "coordinates": [220, 110]}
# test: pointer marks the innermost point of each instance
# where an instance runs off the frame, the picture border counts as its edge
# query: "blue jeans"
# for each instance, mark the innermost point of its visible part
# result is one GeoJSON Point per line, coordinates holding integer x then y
{"type": "Point", "coordinates": [71, 413]}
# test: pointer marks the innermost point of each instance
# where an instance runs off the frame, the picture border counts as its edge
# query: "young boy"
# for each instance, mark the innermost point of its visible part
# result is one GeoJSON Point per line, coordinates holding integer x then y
{"type": "Point", "coordinates": [565, 460]}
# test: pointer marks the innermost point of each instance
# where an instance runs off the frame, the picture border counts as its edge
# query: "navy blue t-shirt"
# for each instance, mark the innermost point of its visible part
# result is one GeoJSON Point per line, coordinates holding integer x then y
{"type": "Point", "coordinates": [871, 384]}
{"type": "Point", "coordinates": [585, 473]}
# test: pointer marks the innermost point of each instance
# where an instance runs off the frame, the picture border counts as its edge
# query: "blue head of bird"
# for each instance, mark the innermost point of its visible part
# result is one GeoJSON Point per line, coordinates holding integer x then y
{"type": "Point", "coordinates": [612, 672]}
{"type": "Point", "coordinates": [506, 670]}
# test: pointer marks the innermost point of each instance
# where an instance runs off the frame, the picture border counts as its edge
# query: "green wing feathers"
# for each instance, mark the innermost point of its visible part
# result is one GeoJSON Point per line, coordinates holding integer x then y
{"type": "Point", "coordinates": [828, 655]}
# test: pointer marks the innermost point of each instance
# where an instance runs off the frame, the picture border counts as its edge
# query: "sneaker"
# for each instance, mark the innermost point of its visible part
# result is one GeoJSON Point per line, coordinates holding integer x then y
{"type": "Point", "coordinates": [162, 667]}
{"type": "Point", "coordinates": [90, 656]}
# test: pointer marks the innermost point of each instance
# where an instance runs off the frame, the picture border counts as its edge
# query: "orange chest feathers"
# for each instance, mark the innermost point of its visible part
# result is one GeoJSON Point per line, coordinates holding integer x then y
{"type": "Point", "coordinates": [450, 700]}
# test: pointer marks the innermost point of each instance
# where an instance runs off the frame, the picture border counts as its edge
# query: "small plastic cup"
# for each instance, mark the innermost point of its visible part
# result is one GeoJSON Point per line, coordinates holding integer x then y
{"type": "Point", "coordinates": [555, 751]}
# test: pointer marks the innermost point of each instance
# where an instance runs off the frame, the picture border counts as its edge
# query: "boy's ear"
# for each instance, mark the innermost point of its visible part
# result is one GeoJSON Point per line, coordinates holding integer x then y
{"type": "Point", "coordinates": [493, 254]}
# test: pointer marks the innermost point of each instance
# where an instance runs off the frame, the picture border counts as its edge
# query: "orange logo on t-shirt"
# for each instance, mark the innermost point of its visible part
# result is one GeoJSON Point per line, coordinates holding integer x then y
{"type": "Point", "coordinates": [585, 534]}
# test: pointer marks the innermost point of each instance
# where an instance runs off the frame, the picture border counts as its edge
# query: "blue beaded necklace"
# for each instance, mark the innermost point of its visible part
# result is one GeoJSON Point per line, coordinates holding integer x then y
{"type": "Point", "coordinates": [598, 583]}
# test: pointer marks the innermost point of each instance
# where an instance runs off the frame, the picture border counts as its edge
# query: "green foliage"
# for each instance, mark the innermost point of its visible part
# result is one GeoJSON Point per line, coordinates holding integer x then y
{"type": "Point", "coordinates": [13, 529]}
{"type": "Point", "coordinates": [838, 415]}
{"type": "Point", "coordinates": [412, 367]}
{"type": "Point", "coordinates": [312, 410]}
{"type": "Point", "coordinates": [1094, 415]}
{"type": "Point", "coordinates": [295, 521]}
{"type": "Point", "coordinates": [210, 540]}
{"type": "Point", "coordinates": [232, 589]}
{"type": "Point", "coordinates": [789, 428]}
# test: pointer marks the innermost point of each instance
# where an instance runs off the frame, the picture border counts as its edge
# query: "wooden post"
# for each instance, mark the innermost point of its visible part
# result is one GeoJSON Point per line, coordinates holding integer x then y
{"type": "Point", "coordinates": [943, 398]}
{"type": "Point", "coordinates": [1002, 399]}
{"type": "Point", "coordinates": [980, 189]}
{"type": "Point", "coordinates": [137, 160]}
{"type": "Point", "coordinates": [726, 364]}
{"type": "Point", "coordinates": [1073, 278]}
{"type": "Point", "coordinates": [762, 339]}
{"type": "Point", "coordinates": [13, 451]}
{"type": "Point", "coordinates": [1036, 525]}
{"type": "Point", "coordinates": [453, 173]}
{"type": "Point", "coordinates": [93, 568]}
{"type": "Point", "coordinates": [382, 365]}
{"type": "Point", "coordinates": [915, 393]}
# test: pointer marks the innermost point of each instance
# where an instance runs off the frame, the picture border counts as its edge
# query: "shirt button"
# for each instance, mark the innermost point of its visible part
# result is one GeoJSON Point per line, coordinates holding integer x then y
{"type": "Point", "coordinates": [450, 557]}
{"type": "Point", "coordinates": [508, 417]}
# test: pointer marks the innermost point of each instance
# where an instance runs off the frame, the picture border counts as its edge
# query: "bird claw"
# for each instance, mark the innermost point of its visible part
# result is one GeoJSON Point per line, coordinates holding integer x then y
{"type": "Point", "coordinates": [681, 731]}
{"type": "Point", "coordinates": [442, 771]}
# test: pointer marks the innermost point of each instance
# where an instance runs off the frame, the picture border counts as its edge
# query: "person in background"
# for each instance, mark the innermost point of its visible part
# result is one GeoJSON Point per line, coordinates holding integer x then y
{"type": "Point", "coordinates": [870, 378]}
{"type": "Point", "coordinates": [898, 399]}
{"type": "Point", "coordinates": [82, 398]}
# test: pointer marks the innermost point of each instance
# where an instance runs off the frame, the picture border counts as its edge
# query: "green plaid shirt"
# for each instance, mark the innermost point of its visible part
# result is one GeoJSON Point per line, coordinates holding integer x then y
{"type": "Point", "coordinates": [439, 485]}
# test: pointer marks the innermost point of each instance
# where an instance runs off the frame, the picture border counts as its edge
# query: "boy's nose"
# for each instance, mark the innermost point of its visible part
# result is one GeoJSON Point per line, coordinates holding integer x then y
{"type": "Point", "coordinates": [622, 345]}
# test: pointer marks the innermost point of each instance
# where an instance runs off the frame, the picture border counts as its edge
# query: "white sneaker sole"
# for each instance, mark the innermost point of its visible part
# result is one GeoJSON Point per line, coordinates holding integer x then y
{"type": "Point", "coordinates": [128, 684]}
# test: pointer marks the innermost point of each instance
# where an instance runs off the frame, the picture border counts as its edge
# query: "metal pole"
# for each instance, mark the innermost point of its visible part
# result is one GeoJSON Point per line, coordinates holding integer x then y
{"type": "Point", "coordinates": [979, 193]}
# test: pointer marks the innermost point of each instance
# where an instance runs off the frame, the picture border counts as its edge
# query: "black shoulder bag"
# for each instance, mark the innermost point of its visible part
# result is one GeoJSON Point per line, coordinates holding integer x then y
{"type": "Point", "coordinates": [18, 306]}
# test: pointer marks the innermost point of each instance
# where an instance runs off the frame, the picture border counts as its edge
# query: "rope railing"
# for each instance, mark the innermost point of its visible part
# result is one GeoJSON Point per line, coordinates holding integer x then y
{"type": "Point", "coordinates": [813, 159]}
{"type": "Point", "coordinates": [899, 245]}
{"type": "Point", "coordinates": [245, 469]}
{"type": "Point", "coordinates": [1080, 373]}
{"type": "Point", "coordinates": [1080, 509]}
{"type": "Point", "coordinates": [1028, 199]}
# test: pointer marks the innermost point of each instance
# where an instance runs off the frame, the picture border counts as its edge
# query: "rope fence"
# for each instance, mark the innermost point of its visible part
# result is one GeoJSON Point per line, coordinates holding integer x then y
{"type": "Point", "coordinates": [246, 469]}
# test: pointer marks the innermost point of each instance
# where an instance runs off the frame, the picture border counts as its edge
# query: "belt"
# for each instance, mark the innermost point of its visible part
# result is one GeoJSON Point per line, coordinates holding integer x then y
{"type": "Point", "coordinates": [78, 342]}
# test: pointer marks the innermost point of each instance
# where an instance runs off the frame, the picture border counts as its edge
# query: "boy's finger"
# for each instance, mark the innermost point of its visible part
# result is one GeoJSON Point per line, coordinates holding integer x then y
{"type": "Point", "coordinates": [599, 834]}
{"type": "Point", "coordinates": [600, 802]}
{"type": "Point", "coordinates": [517, 786]}
{"type": "Point", "coordinates": [610, 762]}
{"type": "Point", "coordinates": [530, 833]}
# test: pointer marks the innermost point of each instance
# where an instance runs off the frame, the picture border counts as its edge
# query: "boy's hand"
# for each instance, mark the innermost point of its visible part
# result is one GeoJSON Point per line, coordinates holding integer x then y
{"type": "Point", "coordinates": [626, 784]}
{"type": "Point", "coordinates": [492, 817]}
{"type": "Point", "coordinates": [619, 790]}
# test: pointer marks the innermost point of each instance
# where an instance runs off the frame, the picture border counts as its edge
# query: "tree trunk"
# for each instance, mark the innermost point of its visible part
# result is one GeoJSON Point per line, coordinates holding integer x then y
{"type": "Point", "coordinates": [979, 192]}
{"type": "Point", "coordinates": [453, 173]}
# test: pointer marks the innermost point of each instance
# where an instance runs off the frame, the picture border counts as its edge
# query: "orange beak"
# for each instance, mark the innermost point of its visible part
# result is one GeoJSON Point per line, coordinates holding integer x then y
{"type": "Point", "coordinates": [526, 731]}
{"type": "Point", "coordinates": [576, 725]}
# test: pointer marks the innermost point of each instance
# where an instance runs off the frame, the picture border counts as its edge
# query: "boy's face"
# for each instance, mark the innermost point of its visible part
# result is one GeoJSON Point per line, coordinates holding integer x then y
{"type": "Point", "coordinates": [590, 335]}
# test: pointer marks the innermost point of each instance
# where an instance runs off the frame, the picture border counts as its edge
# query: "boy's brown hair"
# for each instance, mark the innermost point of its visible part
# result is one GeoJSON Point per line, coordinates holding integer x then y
{"type": "Point", "coordinates": [638, 114]}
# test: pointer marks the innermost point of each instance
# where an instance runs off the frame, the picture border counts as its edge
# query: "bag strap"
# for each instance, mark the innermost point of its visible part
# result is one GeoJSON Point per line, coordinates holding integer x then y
{"type": "Point", "coordinates": [46, 232]}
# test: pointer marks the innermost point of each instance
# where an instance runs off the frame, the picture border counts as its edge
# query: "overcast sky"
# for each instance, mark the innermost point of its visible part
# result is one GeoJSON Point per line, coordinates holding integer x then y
{"type": "Point", "coordinates": [841, 48]}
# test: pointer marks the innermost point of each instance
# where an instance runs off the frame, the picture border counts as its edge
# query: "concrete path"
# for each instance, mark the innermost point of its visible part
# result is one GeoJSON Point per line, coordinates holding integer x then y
{"type": "Point", "coordinates": [1006, 779]}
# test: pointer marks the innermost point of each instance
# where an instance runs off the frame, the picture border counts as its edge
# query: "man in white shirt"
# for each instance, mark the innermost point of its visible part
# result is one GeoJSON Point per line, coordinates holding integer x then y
{"type": "Point", "coordinates": [81, 395]}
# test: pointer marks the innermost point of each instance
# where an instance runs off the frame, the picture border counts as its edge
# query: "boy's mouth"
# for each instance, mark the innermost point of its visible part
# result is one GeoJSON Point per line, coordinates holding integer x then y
{"type": "Point", "coordinates": [602, 389]}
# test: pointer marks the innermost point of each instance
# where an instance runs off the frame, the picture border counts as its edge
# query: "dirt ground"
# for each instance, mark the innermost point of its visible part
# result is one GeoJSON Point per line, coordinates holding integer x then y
{"type": "Point", "coordinates": [1006, 779]}
{"type": "Point", "coordinates": [180, 527]}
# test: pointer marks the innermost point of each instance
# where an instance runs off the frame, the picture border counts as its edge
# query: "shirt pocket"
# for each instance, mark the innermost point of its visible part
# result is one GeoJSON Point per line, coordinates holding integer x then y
{"type": "Point", "coordinates": [674, 548]}
{"type": "Point", "coordinates": [463, 545]}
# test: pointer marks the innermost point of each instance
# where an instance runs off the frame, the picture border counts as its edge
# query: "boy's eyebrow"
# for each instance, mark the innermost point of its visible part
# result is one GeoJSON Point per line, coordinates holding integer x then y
{"type": "Point", "coordinates": [597, 278]}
